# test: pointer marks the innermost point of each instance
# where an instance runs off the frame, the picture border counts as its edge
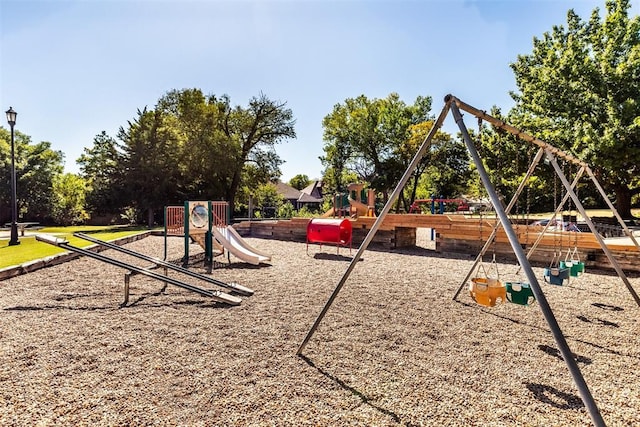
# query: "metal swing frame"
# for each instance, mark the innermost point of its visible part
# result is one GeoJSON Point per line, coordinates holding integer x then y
{"type": "Point", "coordinates": [453, 105]}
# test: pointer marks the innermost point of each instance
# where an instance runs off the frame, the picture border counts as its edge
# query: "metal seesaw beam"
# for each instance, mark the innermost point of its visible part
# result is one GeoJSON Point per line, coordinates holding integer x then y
{"type": "Point", "coordinates": [243, 290]}
{"type": "Point", "coordinates": [63, 243]}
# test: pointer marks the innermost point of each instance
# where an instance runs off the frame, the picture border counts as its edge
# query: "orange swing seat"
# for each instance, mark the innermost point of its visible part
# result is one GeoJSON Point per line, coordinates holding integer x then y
{"type": "Point", "coordinates": [487, 291]}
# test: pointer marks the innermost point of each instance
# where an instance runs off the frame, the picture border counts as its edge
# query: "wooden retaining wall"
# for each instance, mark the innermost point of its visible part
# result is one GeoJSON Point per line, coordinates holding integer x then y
{"type": "Point", "coordinates": [459, 234]}
{"type": "Point", "coordinates": [296, 230]}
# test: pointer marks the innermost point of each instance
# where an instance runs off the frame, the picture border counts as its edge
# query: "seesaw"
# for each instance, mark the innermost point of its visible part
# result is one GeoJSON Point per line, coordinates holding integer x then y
{"type": "Point", "coordinates": [234, 287]}
{"type": "Point", "coordinates": [218, 296]}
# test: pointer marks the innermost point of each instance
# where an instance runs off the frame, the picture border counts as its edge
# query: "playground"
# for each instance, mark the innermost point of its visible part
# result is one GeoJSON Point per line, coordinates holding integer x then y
{"type": "Point", "coordinates": [395, 348]}
{"type": "Point", "coordinates": [409, 341]}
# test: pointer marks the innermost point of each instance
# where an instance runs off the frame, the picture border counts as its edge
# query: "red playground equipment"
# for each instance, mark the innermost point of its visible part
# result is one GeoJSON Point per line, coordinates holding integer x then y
{"type": "Point", "coordinates": [329, 231]}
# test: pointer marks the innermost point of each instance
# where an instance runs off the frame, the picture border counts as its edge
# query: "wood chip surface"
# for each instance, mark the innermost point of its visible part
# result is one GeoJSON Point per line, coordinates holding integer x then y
{"type": "Point", "coordinates": [393, 350]}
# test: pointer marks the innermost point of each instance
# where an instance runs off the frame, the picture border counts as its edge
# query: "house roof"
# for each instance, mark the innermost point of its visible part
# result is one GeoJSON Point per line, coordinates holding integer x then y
{"type": "Point", "coordinates": [287, 191]}
{"type": "Point", "coordinates": [306, 198]}
{"type": "Point", "coordinates": [314, 189]}
{"type": "Point", "coordinates": [291, 193]}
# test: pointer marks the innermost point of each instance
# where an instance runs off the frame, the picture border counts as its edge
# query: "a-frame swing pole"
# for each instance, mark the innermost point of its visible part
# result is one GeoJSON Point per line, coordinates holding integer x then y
{"type": "Point", "coordinates": [561, 342]}
{"type": "Point", "coordinates": [587, 219]}
{"type": "Point", "coordinates": [613, 209]}
{"type": "Point", "coordinates": [374, 228]}
{"type": "Point", "coordinates": [517, 132]}
{"type": "Point", "coordinates": [492, 236]}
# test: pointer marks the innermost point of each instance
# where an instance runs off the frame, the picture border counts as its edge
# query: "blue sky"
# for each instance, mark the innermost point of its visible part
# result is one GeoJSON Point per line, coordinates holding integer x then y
{"type": "Point", "coordinates": [72, 69]}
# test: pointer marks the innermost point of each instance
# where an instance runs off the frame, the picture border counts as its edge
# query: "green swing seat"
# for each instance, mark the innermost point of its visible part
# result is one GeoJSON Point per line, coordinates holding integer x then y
{"type": "Point", "coordinates": [575, 267]}
{"type": "Point", "coordinates": [572, 261]}
{"type": "Point", "coordinates": [519, 293]}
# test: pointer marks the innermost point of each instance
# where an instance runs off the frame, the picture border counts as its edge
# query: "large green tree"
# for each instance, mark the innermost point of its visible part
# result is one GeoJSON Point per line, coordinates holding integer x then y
{"type": "Point", "coordinates": [151, 172]}
{"type": "Point", "coordinates": [68, 207]}
{"type": "Point", "coordinates": [364, 136]}
{"type": "Point", "coordinates": [226, 148]}
{"type": "Point", "coordinates": [189, 147]}
{"type": "Point", "coordinates": [101, 165]}
{"type": "Point", "coordinates": [252, 133]}
{"type": "Point", "coordinates": [580, 90]}
{"type": "Point", "coordinates": [36, 167]}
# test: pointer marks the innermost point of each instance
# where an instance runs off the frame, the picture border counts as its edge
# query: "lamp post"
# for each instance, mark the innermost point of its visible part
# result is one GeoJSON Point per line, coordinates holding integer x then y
{"type": "Point", "coordinates": [11, 118]}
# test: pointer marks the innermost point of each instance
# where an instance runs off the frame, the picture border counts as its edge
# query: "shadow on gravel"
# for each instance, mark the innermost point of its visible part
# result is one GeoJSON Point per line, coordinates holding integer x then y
{"type": "Point", "coordinates": [59, 307]}
{"type": "Point", "coordinates": [598, 321]}
{"type": "Point", "coordinates": [607, 307]}
{"type": "Point", "coordinates": [364, 398]}
{"type": "Point", "coordinates": [554, 397]}
{"type": "Point", "coordinates": [551, 351]}
{"type": "Point", "coordinates": [237, 265]}
{"type": "Point", "coordinates": [334, 257]}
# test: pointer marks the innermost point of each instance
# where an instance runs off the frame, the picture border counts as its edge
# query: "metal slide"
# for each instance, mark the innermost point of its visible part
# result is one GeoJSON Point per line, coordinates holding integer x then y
{"type": "Point", "coordinates": [234, 287]}
{"type": "Point", "coordinates": [237, 246]}
{"type": "Point", "coordinates": [64, 244]}
{"type": "Point", "coordinates": [245, 244]}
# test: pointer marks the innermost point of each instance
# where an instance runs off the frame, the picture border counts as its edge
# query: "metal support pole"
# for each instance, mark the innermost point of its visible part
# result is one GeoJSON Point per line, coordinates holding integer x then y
{"type": "Point", "coordinates": [592, 227]}
{"type": "Point", "coordinates": [185, 259]}
{"type": "Point", "coordinates": [164, 255]}
{"type": "Point", "coordinates": [613, 209]}
{"type": "Point", "coordinates": [365, 243]}
{"type": "Point", "coordinates": [561, 342]}
{"type": "Point", "coordinates": [14, 200]}
{"type": "Point", "coordinates": [127, 279]}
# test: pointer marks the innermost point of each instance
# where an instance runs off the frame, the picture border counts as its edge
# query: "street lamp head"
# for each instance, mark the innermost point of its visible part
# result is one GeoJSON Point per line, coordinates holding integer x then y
{"type": "Point", "coordinates": [11, 116]}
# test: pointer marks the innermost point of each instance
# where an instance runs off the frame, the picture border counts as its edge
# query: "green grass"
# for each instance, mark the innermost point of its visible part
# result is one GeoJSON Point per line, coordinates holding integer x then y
{"type": "Point", "coordinates": [30, 249]}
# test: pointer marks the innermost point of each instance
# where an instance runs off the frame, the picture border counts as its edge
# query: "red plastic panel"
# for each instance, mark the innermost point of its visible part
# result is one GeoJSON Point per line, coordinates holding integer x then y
{"type": "Point", "coordinates": [328, 230]}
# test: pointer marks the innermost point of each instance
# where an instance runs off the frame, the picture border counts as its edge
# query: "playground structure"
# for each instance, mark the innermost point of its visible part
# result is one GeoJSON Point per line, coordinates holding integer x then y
{"type": "Point", "coordinates": [330, 231]}
{"type": "Point", "coordinates": [461, 205]}
{"type": "Point", "coordinates": [454, 105]}
{"type": "Point", "coordinates": [216, 295]}
{"type": "Point", "coordinates": [206, 223]}
{"type": "Point", "coordinates": [352, 204]}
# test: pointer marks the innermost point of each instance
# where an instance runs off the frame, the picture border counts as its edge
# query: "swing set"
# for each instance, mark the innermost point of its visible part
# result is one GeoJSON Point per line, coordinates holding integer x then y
{"type": "Point", "coordinates": [487, 289]}
{"type": "Point", "coordinates": [454, 105]}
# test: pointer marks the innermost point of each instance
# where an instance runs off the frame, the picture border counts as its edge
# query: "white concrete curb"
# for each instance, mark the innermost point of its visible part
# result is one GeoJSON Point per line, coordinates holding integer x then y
{"type": "Point", "coordinates": [27, 267]}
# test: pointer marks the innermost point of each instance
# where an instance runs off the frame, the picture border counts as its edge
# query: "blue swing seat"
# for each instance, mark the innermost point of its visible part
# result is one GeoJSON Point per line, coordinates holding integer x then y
{"type": "Point", "coordinates": [556, 275]}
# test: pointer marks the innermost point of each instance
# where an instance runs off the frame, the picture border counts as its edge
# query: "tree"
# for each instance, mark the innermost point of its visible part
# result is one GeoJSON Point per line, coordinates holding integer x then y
{"type": "Point", "coordinates": [299, 181]}
{"type": "Point", "coordinates": [227, 150]}
{"type": "Point", "coordinates": [268, 199]}
{"type": "Point", "coordinates": [69, 199]}
{"type": "Point", "coordinates": [252, 134]}
{"type": "Point", "coordinates": [444, 166]}
{"type": "Point", "coordinates": [151, 172]}
{"type": "Point", "coordinates": [580, 90]}
{"type": "Point", "coordinates": [101, 167]}
{"type": "Point", "coordinates": [36, 167]}
{"type": "Point", "coordinates": [363, 136]}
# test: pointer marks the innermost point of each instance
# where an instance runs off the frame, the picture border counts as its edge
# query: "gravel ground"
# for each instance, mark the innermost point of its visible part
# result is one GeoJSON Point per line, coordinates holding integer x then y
{"type": "Point", "coordinates": [394, 349]}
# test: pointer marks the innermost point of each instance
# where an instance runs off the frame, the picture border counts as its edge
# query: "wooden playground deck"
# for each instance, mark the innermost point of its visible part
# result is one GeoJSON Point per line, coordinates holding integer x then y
{"type": "Point", "coordinates": [461, 234]}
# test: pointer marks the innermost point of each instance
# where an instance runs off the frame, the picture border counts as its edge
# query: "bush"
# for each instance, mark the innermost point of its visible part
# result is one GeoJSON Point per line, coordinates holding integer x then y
{"type": "Point", "coordinates": [286, 210]}
{"type": "Point", "coordinates": [130, 215]}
